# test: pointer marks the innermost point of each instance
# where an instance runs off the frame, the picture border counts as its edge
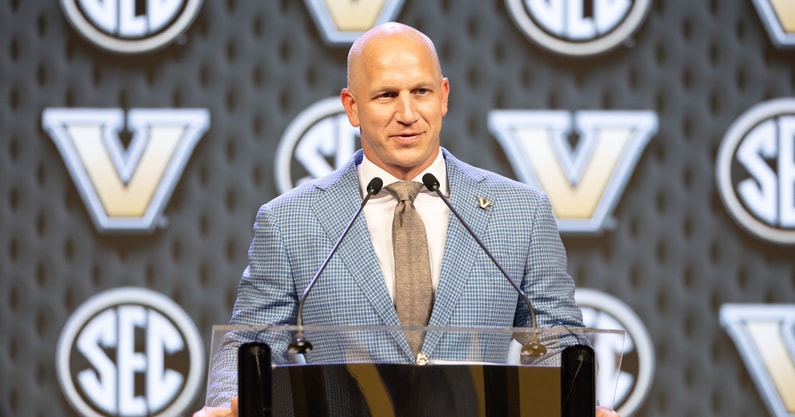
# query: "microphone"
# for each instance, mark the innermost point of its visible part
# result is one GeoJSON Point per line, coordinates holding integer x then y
{"type": "Point", "coordinates": [299, 344]}
{"type": "Point", "coordinates": [534, 348]}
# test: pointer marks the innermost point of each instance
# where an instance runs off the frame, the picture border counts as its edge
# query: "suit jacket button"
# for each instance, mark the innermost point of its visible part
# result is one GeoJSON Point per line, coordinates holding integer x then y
{"type": "Point", "coordinates": [422, 360]}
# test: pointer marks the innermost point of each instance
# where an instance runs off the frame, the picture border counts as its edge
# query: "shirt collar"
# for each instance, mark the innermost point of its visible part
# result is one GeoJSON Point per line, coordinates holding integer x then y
{"type": "Point", "coordinates": [368, 170]}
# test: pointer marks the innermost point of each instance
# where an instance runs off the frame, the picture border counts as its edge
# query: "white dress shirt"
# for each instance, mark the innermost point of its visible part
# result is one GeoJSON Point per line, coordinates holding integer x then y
{"type": "Point", "coordinates": [380, 210]}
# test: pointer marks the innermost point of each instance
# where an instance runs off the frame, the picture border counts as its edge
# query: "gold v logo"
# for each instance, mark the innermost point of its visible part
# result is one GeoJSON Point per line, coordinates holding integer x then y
{"type": "Point", "coordinates": [785, 11]}
{"type": "Point", "coordinates": [583, 181]}
{"type": "Point", "coordinates": [354, 15]}
{"type": "Point", "coordinates": [765, 337]}
{"type": "Point", "coordinates": [342, 21]}
{"type": "Point", "coordinates": [125, 189]}
{"type": "Point", "coordinates": [779, 19]}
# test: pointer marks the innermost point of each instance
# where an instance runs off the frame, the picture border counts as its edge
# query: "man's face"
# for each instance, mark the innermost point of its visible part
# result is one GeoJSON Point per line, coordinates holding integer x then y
{"type": "Point", "coordinates": [397, 97]}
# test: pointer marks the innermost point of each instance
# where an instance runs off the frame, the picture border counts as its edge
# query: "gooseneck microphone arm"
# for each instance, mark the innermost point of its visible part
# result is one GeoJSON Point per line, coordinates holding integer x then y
{"type": "Point", "coordinates": [534, 348]}
{"type": "Point", "coordinates": [299, 344]}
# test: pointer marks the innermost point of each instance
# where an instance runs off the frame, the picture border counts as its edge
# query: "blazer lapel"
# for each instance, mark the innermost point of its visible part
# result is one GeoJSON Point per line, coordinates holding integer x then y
{"type": "Point", "coordinates": [334, 209]}
{"type": "Point", "coordinates": [460, 249]}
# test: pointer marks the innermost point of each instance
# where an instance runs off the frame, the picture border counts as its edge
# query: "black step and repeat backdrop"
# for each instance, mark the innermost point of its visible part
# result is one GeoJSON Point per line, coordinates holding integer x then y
{"type": "Point", "coordinates": [138, 139]}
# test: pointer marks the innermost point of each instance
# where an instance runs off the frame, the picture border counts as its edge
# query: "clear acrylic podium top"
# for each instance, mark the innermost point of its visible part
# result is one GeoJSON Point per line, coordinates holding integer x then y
{"type": "Point", "coordinates": [471, 347]}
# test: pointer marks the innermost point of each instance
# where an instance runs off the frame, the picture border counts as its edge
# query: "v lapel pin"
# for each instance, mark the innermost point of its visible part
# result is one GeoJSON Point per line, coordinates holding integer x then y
{"type": "Point", "coordinates": [484, 203]}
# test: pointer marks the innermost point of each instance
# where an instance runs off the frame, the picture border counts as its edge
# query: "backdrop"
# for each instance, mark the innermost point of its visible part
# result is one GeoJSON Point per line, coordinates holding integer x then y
{"type": "Point", "coordinates": [139, 138]}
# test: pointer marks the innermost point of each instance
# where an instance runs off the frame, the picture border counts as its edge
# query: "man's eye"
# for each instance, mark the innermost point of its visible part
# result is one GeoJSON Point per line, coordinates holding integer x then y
{"type": "Point", "coordinates": [423, 91]}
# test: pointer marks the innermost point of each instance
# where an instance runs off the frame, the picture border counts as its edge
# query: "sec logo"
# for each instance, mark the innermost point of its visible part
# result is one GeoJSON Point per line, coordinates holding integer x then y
{"type": "Point", "coordinates": [131, 27]}
{"type": "Point", "coordinates": [130, 352]}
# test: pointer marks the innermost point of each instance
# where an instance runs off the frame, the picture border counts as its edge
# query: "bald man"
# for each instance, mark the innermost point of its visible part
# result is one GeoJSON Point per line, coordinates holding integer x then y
{"type": "Point", "coordinates": [397, 96]}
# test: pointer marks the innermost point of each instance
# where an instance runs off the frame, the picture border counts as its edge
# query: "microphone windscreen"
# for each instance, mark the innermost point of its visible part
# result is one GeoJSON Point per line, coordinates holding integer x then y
{"type": "Point", "coordinates": [430, 181]}
{"type": "Point", "coordinates": [375, 185]}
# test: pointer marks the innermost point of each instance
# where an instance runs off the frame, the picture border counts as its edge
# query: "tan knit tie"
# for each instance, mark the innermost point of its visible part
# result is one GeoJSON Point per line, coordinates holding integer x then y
{"type": "Point", "coordinates": [413, 288]}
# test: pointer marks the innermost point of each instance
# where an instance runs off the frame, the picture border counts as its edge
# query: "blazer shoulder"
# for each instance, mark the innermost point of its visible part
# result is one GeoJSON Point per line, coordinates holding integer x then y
{"type": "Point", "coordinates": [306, 194]}
{"type": "Point", "coordinates": [491, 181]}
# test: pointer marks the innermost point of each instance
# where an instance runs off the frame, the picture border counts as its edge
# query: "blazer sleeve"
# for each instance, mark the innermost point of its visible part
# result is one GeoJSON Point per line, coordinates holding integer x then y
{"type": "Point", "coordinates": [266, 296]}
{"type": "Point", "coordinates": [546, 280]}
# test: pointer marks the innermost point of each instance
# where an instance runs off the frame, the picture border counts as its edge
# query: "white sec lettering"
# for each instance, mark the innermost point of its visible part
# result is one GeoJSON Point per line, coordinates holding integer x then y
{"type": "Point", "coordinates": [98, 333]}
{"type": "Point", "coordinates": [130, 24]}
{"type": "Point", "coordinates": [786, 171]}
{"type": "Point", "coordinates": [161, 12]}
{"type": "Point", "coordinates": [162, 385]}
{"type": "Point", "coordinates": [129, 361]}
{"type": "Point", "coordinates": [759, 192]}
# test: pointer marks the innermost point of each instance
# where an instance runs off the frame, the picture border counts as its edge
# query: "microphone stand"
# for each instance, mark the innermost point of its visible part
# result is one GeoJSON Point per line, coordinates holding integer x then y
{"type": "Point", "coordinates": [532, 349]}
{"type": "Point", "coordinates": [300, 345]}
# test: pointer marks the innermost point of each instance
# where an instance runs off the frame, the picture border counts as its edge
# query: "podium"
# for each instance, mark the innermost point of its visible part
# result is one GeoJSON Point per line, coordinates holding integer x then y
{"type": "Point", "coordinates": [371, 371]}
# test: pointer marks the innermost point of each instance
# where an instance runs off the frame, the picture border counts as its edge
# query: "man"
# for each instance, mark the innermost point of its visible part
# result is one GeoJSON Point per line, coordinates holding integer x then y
{"type": "Point", "coordinates": [397, 97]}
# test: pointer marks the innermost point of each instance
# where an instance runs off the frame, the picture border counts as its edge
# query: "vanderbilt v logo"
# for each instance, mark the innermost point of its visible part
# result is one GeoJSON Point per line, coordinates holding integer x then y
{"type": "Point", "coordinates": [342, 21]}
{"type": "Point", "coordinates": [584, 180]}
{"type": "Point", "coordinates": [779, 19]}
{"type": "Point", "coordinates": [765, 337]}
{"type": "Point", "coordinates": [125, 189]}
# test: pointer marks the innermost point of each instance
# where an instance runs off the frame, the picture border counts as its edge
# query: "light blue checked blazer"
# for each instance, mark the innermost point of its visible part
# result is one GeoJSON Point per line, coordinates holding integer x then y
{"type": "Point", "coordinates": [295, 232]}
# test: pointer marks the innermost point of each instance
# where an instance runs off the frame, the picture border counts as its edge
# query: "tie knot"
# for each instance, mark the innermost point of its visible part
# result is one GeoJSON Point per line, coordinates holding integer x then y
{"type": "Point", "coordinates": [405, 190]}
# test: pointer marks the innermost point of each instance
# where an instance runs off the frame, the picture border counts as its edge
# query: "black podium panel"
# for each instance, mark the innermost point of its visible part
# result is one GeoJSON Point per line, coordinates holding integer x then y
{"type": "Point", "coordinates": [393, 390]}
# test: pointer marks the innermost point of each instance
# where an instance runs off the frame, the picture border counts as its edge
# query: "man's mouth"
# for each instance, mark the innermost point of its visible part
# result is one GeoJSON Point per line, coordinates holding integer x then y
{"type": "Point", "coordinates": [407, 135]}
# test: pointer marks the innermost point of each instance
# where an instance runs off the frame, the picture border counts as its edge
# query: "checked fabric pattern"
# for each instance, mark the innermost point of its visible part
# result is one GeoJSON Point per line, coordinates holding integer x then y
{"type": "Point", "coordinates": [295, 232]}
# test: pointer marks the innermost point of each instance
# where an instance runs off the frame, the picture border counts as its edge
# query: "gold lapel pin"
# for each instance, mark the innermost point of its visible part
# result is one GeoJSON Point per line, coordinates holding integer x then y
{"type": "Point", "coordinates": [484, 203]}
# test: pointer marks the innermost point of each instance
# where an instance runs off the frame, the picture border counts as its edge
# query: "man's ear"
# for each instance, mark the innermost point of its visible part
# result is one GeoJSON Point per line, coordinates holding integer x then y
{"type": "Point", "coordinates": [445, 95]}
{"type": "Point", "coordinates": [349, 104]}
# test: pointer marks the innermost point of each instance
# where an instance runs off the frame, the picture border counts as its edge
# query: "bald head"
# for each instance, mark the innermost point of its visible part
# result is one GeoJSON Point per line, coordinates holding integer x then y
{"type": "Point", "coordinates": [385, 38]}
{"type": "Point", "coordinates": [397, 97]}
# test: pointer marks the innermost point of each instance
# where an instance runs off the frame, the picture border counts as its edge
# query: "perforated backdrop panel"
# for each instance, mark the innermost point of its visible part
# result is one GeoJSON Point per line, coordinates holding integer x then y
{"type": "Point", "coordinates": [671, 251]}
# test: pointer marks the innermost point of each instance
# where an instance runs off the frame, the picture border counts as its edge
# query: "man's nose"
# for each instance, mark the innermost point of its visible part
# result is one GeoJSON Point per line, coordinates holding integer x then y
{"type": "Point", "coordinates": [406, 111]}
